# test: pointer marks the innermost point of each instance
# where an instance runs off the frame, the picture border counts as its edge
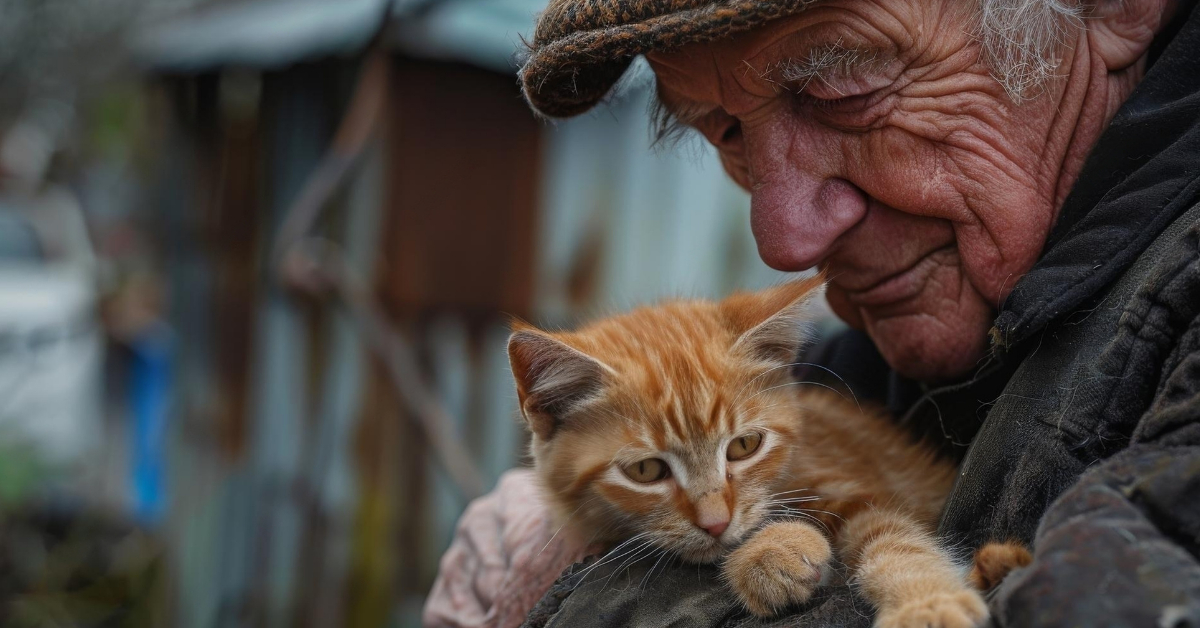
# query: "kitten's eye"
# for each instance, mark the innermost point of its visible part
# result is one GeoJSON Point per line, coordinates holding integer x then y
{"type": "Point", "coordinates": [646, 471]}
{"type": "Point", "coordinates": [743, 446]}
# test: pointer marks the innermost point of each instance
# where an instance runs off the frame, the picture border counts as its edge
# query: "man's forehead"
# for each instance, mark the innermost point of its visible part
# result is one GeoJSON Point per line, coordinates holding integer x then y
{"type": "Point", "coordinates": [680, 79]}
{"type": "Point", "coordinates": [695, 59]}
{"type": "Point", "coordinates": [704, 72]}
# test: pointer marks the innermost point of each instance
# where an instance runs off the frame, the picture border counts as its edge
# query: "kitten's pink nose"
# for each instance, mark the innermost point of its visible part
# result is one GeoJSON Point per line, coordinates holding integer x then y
{"type": "Point", "coordinates": [712, 514]}
{"type": "Point", "coordinates": [715, 529]}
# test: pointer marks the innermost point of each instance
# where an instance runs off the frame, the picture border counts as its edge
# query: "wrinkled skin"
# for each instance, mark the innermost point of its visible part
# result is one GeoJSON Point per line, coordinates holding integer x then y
{"type": "Point", "coordinates": [913, 180]}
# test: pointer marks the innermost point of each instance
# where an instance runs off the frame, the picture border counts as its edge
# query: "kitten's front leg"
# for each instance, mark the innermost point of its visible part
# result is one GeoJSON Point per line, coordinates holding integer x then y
{"type": "Point", "coordinates": [911, 581]}
{"type": "Point", "coordinates": [777, 567]}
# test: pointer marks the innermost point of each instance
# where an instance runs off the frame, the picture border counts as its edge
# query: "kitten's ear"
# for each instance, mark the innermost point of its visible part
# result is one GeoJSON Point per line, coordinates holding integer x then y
{"type": "Point", "coordinates": [774, 324]}
{"type": "Point", "coordinates": [552, 378]}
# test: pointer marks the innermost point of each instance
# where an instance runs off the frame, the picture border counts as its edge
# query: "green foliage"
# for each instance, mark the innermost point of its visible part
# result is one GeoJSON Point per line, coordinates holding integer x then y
{"type": "Point", "coordinates": [22, 471]}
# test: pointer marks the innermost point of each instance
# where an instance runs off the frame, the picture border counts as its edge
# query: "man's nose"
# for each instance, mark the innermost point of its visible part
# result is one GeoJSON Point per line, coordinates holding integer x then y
{"type": "Point", "coordinates": [799, 207]}
{"type": "Point", "coordinates": [712, 514]}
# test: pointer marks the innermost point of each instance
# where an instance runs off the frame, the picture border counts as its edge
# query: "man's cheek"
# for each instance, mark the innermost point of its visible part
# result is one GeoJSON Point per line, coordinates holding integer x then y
{"type": "Point", "coordinates": [907, 172]}
{"type": "Point", "coordinates": [930, 161]}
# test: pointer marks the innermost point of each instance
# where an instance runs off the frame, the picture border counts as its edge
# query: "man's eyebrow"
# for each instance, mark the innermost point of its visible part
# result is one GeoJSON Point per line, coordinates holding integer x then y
{"type": "Point", "coordinates": [821, 63]}
{"type": "Point", "coordinates": [672, 118]}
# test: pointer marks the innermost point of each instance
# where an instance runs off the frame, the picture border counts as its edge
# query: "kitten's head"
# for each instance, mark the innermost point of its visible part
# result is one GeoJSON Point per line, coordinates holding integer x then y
{"type": "Point", "coordinates": [674, 421]}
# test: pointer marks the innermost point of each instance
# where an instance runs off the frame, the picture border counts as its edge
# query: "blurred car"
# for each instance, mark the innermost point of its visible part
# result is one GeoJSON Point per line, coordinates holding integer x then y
{"type": "Point", "coordinates": [51, 346]}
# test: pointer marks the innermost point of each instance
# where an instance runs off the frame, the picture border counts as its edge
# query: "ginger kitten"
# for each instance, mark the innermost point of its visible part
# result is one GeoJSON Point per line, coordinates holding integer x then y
{"type": "Point", "coordinates": [680, 423]}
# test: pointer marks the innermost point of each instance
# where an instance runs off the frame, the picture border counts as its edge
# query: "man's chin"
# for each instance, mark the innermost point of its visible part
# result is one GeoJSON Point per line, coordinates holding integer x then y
{"type": "Point", "coordinates": [919, 348]}
{"type": "Point", "coordinates": [939, 335]}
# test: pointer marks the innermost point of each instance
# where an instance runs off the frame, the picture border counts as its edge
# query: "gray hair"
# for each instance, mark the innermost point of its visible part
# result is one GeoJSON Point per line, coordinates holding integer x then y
{"type": "Point", "coordinates": [1022, 40]}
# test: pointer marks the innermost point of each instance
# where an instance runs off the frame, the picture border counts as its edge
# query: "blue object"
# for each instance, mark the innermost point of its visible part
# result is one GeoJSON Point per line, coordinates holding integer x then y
{"type": "Point", "coordinates": [150, 392]}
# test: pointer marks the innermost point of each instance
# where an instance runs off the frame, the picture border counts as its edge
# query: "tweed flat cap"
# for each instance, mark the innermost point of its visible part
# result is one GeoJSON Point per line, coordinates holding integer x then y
{"type": "Point", "coordinates": [581, 48]}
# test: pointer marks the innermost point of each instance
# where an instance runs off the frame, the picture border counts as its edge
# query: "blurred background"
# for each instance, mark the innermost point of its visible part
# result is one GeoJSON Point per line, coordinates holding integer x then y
{"type": "Point", "coordinates": [257, 263]}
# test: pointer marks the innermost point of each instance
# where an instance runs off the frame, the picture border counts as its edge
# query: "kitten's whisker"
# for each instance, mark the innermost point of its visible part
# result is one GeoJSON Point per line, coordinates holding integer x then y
{"type": "Point", "coordinates": [569, 517]}
{"type": "Point", "coordinates": [795, 514]}
{"type": "Point", "coordinates": [779, 504]}
{"type": "Point", "coordinates": [670, 563]}
{"type": "Point", "coordinates": [831, 514]}
{"type": "Point", "coordinates": [584, 574]}
{"type": "Point", "coordinates": [798, 490]}
{"type": "Point", "coordinates": [800, 383]}
{"type": "Point", "coordinates": [797, 500]}
{"type": "Point", "coordinates": [637, 556]}
{"type": "Point", "coordinates": [642, 586]}
{"type": "Point", "coordinates": [806, 518]}
{"type": "Point", "coordinates": [628, 541]}
{"type": "Point", "coordinates": [737, 397]}
{"type": "Point", "coordinates": [831, 372]}
{"type": "Point", "coordinates": [774, 495]}
{"type": "Point", "coordinates": [794, 404]}
{"type": "Point", "coordinates": [807, 498]}
{"type": "Point", "coordinates": [794, 496]}
{"type": "Point", "coordinates": [609, 556]}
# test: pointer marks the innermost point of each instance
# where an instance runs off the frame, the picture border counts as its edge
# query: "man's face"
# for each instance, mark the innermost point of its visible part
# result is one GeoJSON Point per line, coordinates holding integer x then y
{"type": "Point", "coordinates": [877, 145]}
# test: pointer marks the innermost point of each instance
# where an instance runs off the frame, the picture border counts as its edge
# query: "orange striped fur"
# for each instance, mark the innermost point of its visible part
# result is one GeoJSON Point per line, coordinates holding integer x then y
{"type": "Point", "coordinates": [680, 383]}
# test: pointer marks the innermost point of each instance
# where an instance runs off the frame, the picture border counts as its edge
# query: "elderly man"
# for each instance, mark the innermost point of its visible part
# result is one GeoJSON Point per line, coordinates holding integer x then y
{"type": "Point", "coordinates": [1004, 196]}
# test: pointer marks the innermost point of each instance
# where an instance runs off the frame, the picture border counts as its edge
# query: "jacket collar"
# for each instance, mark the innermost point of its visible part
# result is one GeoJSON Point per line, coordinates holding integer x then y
{"type": "Point", "coordinates": [1143, 173]}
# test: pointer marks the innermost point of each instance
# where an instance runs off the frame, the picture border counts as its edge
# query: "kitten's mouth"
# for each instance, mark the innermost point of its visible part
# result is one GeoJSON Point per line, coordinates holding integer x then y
{"type": "Point", "coordinates": [712, 549]}
{"type": "Point", "coordinates": [711, 554]}
{"type": "Point", "coordinates": [703, 549]}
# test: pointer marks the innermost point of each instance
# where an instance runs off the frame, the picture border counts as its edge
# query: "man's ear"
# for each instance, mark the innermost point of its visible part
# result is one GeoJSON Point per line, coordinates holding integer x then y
{"type": "Point", "coordinates": [1121, 32]}
{"type": "Point", "coordinates": [774, 324]}
{"type": "Point", "coordinates": [552, 378]}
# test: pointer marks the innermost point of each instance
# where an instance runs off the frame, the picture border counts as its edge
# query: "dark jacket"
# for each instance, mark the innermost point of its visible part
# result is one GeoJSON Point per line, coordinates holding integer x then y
{"type": "Point", "coordinates": [1083, 426]}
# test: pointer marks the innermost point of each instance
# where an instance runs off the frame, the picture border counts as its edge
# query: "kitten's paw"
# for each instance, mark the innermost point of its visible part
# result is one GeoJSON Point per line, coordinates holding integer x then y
{"type": "Point", "coordinates": [777, 567]}
{"type": "Point", "coordinates": [993, 562]}
{"type": "Point", "coordinates": [961, 609]}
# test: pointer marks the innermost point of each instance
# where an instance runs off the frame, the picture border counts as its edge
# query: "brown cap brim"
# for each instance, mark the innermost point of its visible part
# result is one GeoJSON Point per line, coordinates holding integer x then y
{"type": "Point", "coordinates": [582, 47]}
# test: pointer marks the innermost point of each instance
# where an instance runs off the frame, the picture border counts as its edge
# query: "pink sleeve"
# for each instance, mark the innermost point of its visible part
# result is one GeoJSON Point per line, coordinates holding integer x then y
{"type": "Point", "coordinates": [502, 559]}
